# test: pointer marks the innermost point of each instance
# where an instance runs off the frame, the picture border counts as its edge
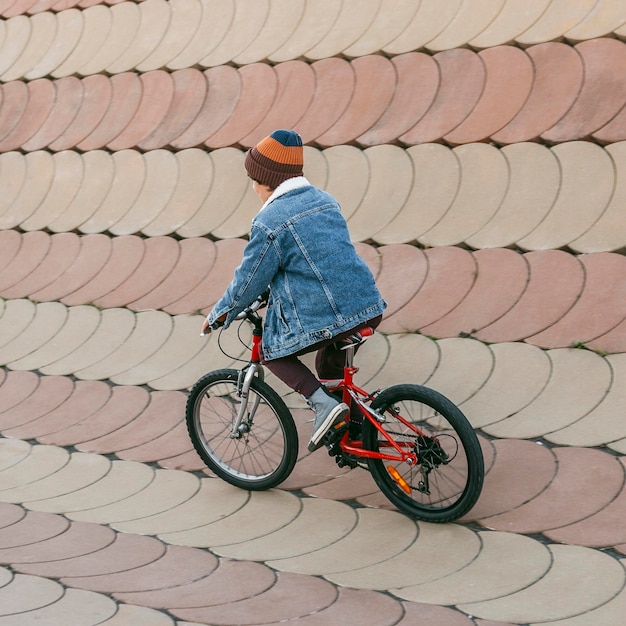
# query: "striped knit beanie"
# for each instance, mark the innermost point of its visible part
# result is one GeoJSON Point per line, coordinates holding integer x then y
{"type": "Point", "coordinates": [276, 158]}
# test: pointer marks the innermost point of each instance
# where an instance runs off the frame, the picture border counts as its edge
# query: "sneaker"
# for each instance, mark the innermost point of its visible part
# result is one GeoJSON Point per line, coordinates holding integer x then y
{"type": "Point", "coordinates": [328, 413]}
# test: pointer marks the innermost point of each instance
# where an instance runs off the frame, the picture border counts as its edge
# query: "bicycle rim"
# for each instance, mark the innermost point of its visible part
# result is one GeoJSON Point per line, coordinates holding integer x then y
{"type": "Point", "coordinates": [447, 479]}
{"type": "Point", "coordinates": [264, 452]}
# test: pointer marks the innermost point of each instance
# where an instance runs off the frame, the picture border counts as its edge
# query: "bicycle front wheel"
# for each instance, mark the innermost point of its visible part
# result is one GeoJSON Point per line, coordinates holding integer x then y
{"type": "Point", "coordinates": [263, 452]}
{"type": "Point", "coordinates": [448, 477]}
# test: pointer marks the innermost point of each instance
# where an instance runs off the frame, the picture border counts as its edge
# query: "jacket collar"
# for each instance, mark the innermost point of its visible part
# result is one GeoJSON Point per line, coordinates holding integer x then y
{"type": "Point", "coordinates": [285, 187]}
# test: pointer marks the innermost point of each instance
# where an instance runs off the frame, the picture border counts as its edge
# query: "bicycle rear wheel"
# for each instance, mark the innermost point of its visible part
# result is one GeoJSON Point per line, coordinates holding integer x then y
{"type": "Point", "coordinates": [448, 478]}
{"type": "Point", "coordinates": [263, 453]}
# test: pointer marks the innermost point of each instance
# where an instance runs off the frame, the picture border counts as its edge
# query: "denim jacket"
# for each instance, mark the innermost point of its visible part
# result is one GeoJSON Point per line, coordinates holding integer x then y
{"type": "Point", "coordinates": [300, 246]}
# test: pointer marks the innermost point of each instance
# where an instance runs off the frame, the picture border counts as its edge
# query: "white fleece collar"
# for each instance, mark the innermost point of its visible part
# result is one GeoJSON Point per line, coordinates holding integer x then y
{"type": "Point", "coordinates": [286, 186]}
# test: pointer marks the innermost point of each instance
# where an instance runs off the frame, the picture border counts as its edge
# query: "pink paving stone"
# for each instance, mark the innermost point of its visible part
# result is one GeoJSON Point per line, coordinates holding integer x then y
{"type": "Point", "coordinates": [30, 528]}
{"type": "Point", "coordinates": [172, 443]}
{"type": "Point", "coordinates": [212, 287]}
{"type": "Point", "coordinates": [600, 97]}
{"type": "Point", "coordinates": [259, 84]}
{"type": "Point", "coordinates": [375, 84]}
{"type": "Point", "coordinates": [125, 405]}
{"type": "Point", "coordinates": [560, 503]}
{"type": "Point", "coordinates": [555, 283]}
{"type": "Point", "coordinates": [604, 529]}
{"type": "Point", "coordinates": [96, 96]}
{"type": "Point", "coordinates": [126, 94]}
{"type": "Point", "coordinates": [614, 131]}
{"type": "Point", "coordinates": [87, 397]}
{"type": "Point", "coordinates": [334, 86]}
{"type": "Point", "coordinates": [41, 95]}
{"type": "Point", "coordinates": [294, 93]}
{"type": "Point", "coordinates": [65, 107]}
{"type": "Point", "coordinates": [417, 614]}
{"type": "Point", "coordinates": [350, 485]}
{"type": "Point", "coordinates": [221, 587]}
{"type": "Point", "coordinates": [51, 392]}
{"type": "Point", "coordinates": [193, 264]}
{"type": "Point", "coordinates": [501, 278]}
{"type": "Point", "coordinates": [417, 82]}
{"type": "Point", "coordinates": [165, 410]}
{"type": "Point", "coordinates": [174, 566]}
{"type": "Point", "coordinates": [451, 274]}
{"type": "Point", "coordinates": [189, 93]}
{"type": "Point", "coordinates": [92, 256]}
{"type": "Point", "coordinates": [224, 85]}
{"type": "Point", "coordinates": [127, 252]}
{"type": "Point", "coordinates": [14, 103]}
{"type": "Point", "coordinates": [600, 307]}
{"type": "Point", "coordinates": [16, 388]}
{"type": "Point", "coordinates": [157, 94]}
{"type": "Point", "coordinates": [403, 269]}
{"type": "Point", "coordinates": [188, 461]}
{"type": "Point", "coordinates": [504, 491]}
{"type": "Point", "coordinates": [292, 596]}
{"type": "Point", "coordinates": [10, 514]}
{"type": "Point", "coordinates": [612, 342]}
{"type": "Point", "coordinates": [100, 565]}
{"type": "Point", "coordinates": [73, 541]}
{"type": "Point", "coordinates": [509, 78]}
{"type": "Point", "coordinates": [10, 242]}
{"type": "Point", "coordinates": [159, 258]}
{"type": "Point", "coordinates": [463, 76]}
{"type": "Point", "coordinates": [371, 256]}
{"type": "Point", "coordinates": [557, 81]}
{"type": "Point", "coordinates": [61, 254]}
{"type": "Point", "coordinates": [32, 252]}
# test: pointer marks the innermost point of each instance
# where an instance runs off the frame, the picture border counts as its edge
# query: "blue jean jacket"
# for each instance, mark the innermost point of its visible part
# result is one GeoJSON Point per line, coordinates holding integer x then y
{"type": "Point", "coordinates": [300, 246]}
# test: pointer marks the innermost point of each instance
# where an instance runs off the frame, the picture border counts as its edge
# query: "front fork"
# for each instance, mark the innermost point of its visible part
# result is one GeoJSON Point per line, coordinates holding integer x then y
{"type": "Point", "coordinates": [244, 382]}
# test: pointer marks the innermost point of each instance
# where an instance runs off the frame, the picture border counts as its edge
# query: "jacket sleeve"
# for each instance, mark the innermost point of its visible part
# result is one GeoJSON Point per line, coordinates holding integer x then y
{"type": "Point", "coordinates": [258, 267]}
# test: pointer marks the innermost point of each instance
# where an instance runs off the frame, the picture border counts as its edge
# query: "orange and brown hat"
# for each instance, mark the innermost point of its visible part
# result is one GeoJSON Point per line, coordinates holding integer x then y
{"type": "Point", "coordinates": [276, 158]}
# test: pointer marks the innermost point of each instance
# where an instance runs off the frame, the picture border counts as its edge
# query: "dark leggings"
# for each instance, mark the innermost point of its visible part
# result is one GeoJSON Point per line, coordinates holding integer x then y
{"type": "Point", "coordinates": [329, 362]}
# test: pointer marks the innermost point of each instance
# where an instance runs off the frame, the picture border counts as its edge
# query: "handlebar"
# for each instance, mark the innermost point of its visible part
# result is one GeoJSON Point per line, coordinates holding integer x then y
{"type": "Point", "coordinates": [259, 303]}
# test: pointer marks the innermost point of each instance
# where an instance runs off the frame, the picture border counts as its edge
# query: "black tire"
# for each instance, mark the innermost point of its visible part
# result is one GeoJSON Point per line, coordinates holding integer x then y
{"type": "Point", "coordinates": [265, 453]}
{"type": "Point", "coordinates": [454, 484]}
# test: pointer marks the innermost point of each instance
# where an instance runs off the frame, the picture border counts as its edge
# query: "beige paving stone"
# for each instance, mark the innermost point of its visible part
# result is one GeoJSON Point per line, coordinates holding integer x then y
{"type": "Point", "coordinates": [471, 19]}
{"type": "Point", "coordinates": [390, 183]}
{"type": "Point", "coordinates": [281, 21]}
{"type": "Point", "coordinates": [12, 176]}
{"type": "Point", "coordinates": [505, 392]}
{"type": "Point", "coordinates": [161, 169]}
{"type": "Point", "coordinates": [183, 24]}
{"type": "Point", "coordinates": [578, 383]}
{"type": "Point", "coordinates": [263, 513]}
{"type": "Point", "coordinates": [306, 533]}
{"type": "Point", "coordinates": [348, 174]}
{"type": "Point", "coordinates": [390, 21]}
{"type": "Point", "coordinates": [17, 33]}
{"type": "Point", "coordinates": [534, 183]}
{"type": "Point", "coordinates": [43, 31]}
{"type": "Point", "coordinates": [603, 19]}
{"type": "Point", "coordinates": [115, 326]}
{"type": "Point", "coordinates": [42, 461]}
{"type": "Point", "coordinates": [13, 451]}
{"type": "Point", "coordinates": [514, 17]}
{"type": "Point", "coordinates": [587, 182]}
{"type": "Point", "coordinates": [96, 29]}
{"type": "Point", "coordinates": [432, 545]}
{"type": "Point", "coordinates": [151, 329]}
{"type": "Point", "coordinates": [125, 21]}
{"type": "Point", "coordinates": [123, 480]}
{"type": "Point", "coordinates": [48, 320]}
{"type": "Point", "coordinates": [238, 222]}
{"type": "Point", "coordinates": [436, 180]}
{"type": "Point", "coordinates": [81, 470]}
{"type": "Point", "coordinates": [431, 19]}
{"type": "Point", "coordinates": [394, 534]}
{"type": "Point", "coordinates": [16, 317]}
{"type": "Point", "coordinates": [40, 166]}
{"type": "Point", "coordinates": [155, 17]}
{"type": "Point", "coordinates": [69, 30]}
{"type": "Point", "coordinates": [27, 593]}
{"type": "Point", "coordinates": [506, 564]}
{"type": "Point", "coordinates": [483, 184]}
{"type": "Point", "coordinates": [557, 19]}
{"type": "Point", "coordinates": [138, 615]}
{"type": "Point", "coordinates": [98, 171]}
{"type": "Point", "coordinates": [214, 500]}
{"type": "Point", "coordinates": [611, 613]}
{"type": "Point", "coordinates": [213, 25]}
{"type": "Point", "coordinates": [604, 423]}
{"type": "Point", "coordinates": [581, 579]}
{"type": "Point", "coordinates": [247, 22]}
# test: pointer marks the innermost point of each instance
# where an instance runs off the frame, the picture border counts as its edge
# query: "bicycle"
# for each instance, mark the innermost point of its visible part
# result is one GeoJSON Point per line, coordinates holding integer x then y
{"type": "Point", "coordinates": [420, 449]}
